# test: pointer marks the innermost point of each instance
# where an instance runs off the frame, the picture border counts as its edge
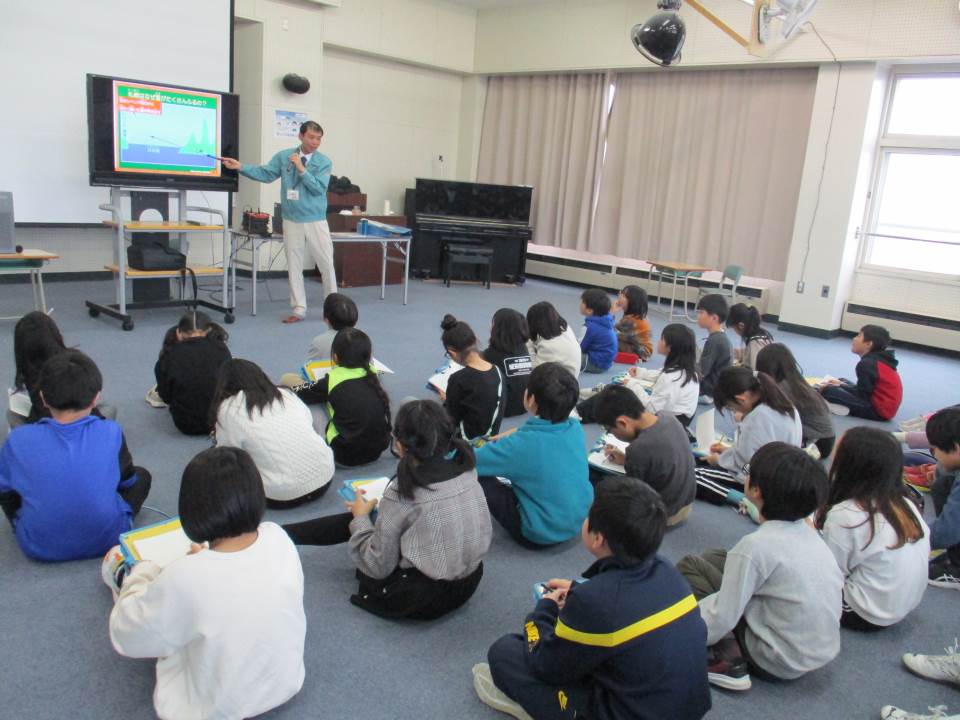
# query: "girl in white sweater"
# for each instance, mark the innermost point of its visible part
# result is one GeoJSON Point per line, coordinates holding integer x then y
{"type": "Point", "coordinates": [225, 621]}
{"type": "Point", "coordinates": [276, 428]}
{"type": "Point", "coordinates": [551, 339]}
{"type": "Point", "coordinates": [676, 386]}
{"type": "Point", "coordinates": [877, 536]}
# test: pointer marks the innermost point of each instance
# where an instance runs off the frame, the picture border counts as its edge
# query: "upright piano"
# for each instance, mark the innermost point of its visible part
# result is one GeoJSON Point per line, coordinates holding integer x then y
{"type": "Point", "coordinates": [444, 212]}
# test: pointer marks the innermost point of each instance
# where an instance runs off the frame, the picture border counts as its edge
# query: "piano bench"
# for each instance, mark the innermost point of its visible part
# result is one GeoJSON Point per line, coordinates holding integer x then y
{"type": "Point", "coordinates": [466, 255]}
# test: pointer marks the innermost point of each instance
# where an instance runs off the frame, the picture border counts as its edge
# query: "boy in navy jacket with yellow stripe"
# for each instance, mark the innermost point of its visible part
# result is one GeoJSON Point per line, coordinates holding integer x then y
{"type": "Point", "coordinates": [625, 644]}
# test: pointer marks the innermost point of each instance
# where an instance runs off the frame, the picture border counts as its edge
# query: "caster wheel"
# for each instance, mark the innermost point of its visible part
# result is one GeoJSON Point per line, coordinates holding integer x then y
{"type": "Point", "coordinates": [229, 318]}
{"type": "Point", "coordinates": [93, 312]}
{"type": "Point", "coordinates": [127, 325]}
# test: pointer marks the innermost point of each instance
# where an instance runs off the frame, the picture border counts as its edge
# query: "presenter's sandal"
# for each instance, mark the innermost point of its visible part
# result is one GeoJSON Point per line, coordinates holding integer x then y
{"type": "Point", "coordinates": [292, 319]}
{"type": "Point", "coordinates": [491, 695]}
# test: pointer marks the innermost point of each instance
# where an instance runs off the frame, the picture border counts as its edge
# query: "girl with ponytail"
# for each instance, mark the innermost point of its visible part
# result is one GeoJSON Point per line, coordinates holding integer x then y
{"type": "Point", "coordinates": [767, 416]}
{"type": "Point", "coordinates": [745, 321]}
{"type": "Point", "coordinates": [476, 394]}
{"type": "Point", "coordinates": [357, 406]}
{"type": "Point", "coordinates": [422, 555]}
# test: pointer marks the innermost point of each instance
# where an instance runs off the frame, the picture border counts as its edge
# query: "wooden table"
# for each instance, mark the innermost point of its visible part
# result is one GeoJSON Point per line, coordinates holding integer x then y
{"type": "Point", "coordinates": [676, 271]}
{"type": "Point", "coordinates": [31, 261]}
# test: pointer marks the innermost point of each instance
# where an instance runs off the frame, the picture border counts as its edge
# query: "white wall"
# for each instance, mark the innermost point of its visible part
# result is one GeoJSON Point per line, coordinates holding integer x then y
{"type": "Point", "coordinates": [387, 123]}
{"type": "Point", "coordinates": [594, 34]}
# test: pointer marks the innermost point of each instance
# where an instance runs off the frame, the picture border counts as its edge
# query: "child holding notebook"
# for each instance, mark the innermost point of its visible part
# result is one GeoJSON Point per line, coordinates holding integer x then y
{"type": "Point", "coordinates": [544, 459]}
{"type": "Point", "coordinates": [422, 557]}
{"type": "Point", "coordinates": [628, 643]}
{"type": "Point", "coordinates": [67, 482]}
{"type": "Point", "coordinates": [878, 391]}
{"type": "Point", "coordinates": [226, 621]}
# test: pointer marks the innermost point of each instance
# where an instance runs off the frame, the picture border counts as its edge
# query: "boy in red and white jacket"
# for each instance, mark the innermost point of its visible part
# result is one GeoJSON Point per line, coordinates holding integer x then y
{"type": "Point", "coordinates": [878, 391]}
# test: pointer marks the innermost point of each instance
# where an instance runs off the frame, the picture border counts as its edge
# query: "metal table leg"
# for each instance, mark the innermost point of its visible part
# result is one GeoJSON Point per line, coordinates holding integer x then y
{"type": "Point", "coordinates": [383, 270]}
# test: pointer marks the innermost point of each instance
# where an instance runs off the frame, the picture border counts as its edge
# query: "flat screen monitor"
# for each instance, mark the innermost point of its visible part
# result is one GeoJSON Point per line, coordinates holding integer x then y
{"type": "Point", "coordinates": [147, 134]}
{"type": "Point", "coordinates": [479, 201]}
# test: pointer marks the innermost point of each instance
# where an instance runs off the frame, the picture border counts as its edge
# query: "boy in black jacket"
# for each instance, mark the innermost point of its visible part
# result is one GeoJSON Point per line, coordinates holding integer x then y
{"type": "Point", "coordinates": [625, 644]}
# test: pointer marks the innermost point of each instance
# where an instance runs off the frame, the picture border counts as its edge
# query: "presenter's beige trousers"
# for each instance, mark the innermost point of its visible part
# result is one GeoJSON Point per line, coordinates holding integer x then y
{"type": "Point", "coordinates": [314, 236]}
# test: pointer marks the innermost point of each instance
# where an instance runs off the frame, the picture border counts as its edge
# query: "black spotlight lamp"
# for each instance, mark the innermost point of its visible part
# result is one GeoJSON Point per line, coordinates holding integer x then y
{"type": "Point", "coordinates": [660, 38]}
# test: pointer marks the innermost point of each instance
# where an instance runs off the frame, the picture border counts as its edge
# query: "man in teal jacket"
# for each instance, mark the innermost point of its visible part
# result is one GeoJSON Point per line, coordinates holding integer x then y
{"type": "Point", "coordinates": [304, 175]}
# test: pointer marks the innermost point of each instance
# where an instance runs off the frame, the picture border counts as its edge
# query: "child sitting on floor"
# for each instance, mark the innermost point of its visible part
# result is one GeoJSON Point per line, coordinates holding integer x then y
{"type": "Point", "coordinates": [599, 343]}
{"type": "Point", "coordinates": [226, 621]}
{"type": "Point", "coordinates": [627, 643]}
{"type": "Point", "coordinates": [67, 482]}
{"type": "Point", "coordinates": [36, 339]}
{"type": "Point", "coordinates": [552, 339]}
{"type": "Point", "coordinates": [878, 537]}
{"type": "Point", "coordinates": [423, 555]}
{"type": "Point", "coordinates": [767, 416]}
{"type": "Point", "coordinates": [476, 393]}
{"type": "Point", "coordinates": [276, 428]}
{"type": "Point", "coordinates": [358, 408]}
{"type": "Point", "coordinates": [878, 392]}
{"type": "Point", "coordinates": [658, 453]}
{"type": "Point", "coordinates": [717, 353]}
{"type": "Point", "coordinates": [545, 462]}
{"type": "Point", "coordinates": [674, 388]}
{"type": "Point", "coordinates": [507, 350]}
{"type": "Point", "coordinates": [633, 330]}
{"type": "Point", "coordinates": [943, 432]}
{"type": "Point", "coordinates": [339, 312]}
{"type": "Point", "coordinates": [779, 591]}
{"type": "Point", "coordinates": [778, 362]}
{"type": "Point", "coordinates": [745, 321]}
{"type": "Point", "coordinates": [187, 370]}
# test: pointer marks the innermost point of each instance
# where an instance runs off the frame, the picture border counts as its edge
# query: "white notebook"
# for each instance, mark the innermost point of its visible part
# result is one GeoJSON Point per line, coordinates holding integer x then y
{"type": "Point", "coordinates": [599, 460]}
{"type": "Point", "coordinates": [438, 381]}
{"type": "Point", "coordinates": [706, 433]}
{"type": "Point", "coordinates": [162, 543]}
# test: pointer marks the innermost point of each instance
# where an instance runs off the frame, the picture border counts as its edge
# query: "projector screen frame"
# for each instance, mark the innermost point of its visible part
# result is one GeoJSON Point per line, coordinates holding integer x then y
{"type": "Point", "coordinates": [97, 136]}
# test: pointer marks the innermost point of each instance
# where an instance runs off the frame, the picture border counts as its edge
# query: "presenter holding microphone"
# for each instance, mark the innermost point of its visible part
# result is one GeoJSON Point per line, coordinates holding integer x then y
{"type": "Point", "coordinates": [304, 175]}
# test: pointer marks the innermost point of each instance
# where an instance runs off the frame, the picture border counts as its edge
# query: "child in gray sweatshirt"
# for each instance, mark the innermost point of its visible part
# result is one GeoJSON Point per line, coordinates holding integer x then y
{"type": "Point", "coordinates": [779, 590]}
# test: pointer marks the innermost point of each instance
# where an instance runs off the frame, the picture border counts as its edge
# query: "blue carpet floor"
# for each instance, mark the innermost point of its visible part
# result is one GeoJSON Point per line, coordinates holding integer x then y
{"type": "Point", "coordinates": [56, 658]}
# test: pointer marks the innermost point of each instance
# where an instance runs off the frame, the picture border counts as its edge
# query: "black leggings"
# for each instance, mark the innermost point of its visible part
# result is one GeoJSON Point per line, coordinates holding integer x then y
{"type": "Point", "coordinates": [404, 593]}
{"type": "Point", "coordinates": [296, 502]}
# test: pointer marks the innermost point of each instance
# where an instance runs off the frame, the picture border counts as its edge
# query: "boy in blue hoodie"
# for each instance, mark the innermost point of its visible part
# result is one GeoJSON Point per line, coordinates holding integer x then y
{"type": "Point", "coordinates": [544, 459]}
{"type": "Point", "coordinates": [67, 483]}
{"type": "Point", "coordinates": [625, 644]}
{"type": "Point", "coordinates": [599, 344]}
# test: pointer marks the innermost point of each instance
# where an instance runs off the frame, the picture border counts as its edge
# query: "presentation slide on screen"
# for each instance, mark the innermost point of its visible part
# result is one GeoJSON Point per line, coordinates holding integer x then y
{"type": "Point", "coordinates": [164, 130]}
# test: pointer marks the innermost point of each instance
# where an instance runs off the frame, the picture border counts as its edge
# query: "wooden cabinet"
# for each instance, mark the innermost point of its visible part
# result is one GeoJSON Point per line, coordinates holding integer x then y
{"type": "Point", "coordinates": [358, 265]}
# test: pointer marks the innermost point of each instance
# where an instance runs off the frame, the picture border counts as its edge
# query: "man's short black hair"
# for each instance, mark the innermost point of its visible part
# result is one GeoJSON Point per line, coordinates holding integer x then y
{"type": "Point", "coordinates": [555, 389]}
{"type": "Point", "coordinates": [340, 311]}
{"type": "Point", "coordinates": [596, 300]}
{"type": "Point", "coordinates": [943, 429]}
{"type": "Point", "coordinates": [311, 126]}
{"type": "Point", "coordinates": [878, 335]}
{"type": "Point", "coordinates": [221, 495]}
{"type": "Point", "coordinates": [614, 401]}
{"type": "Point", "coordinates": [631, 517]}
{"type": "Point", "coordinates": [69, 381]}
{"type": "Point", "coordinates": [792, 483]}
{"type": "Point", "coordinates": [714, 304]}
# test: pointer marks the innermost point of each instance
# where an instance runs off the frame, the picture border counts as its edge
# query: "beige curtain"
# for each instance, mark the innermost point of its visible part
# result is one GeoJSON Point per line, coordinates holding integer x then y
{"type": "Point", "coordinates": [545, 131]}
{"type": "Point", "coordinates": [704, 167]}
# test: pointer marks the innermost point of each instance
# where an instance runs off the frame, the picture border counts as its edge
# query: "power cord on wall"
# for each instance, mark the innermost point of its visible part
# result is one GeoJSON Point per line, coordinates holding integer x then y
{"type": "Point", "coordinates": [823, 168]}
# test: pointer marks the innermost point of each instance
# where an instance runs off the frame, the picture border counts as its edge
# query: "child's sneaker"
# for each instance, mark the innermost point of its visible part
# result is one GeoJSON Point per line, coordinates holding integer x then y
{"type": "Point", "coordinates": [153, 398]}
{"type": "Point", "coordinates": [491, 695]}
{"type": "Point", "coordinates": [943, 668]}
{"type": "Point", "coordinates": [889, 712]}
{"type": "Point", "coordinates": [704, 400]}
{"type": "Point", "coordinates": [921, 477]}
{"type": "Point", "coordinates": [726, 667]}
{"type": "Point", "coordinates": [943, 573]}
{"type": "Point", "coordinates": [113, 569]}
{"type": "Point", "coordinates": [838, 409]}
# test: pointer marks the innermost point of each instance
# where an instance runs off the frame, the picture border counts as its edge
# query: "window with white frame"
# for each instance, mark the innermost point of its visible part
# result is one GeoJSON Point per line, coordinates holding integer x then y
{"type": "Point", "coordinates": [914, 216]}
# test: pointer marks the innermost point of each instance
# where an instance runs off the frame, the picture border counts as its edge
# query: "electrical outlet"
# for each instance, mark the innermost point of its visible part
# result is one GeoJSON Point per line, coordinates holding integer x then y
{"type": "Point", "coordinates": [825, 291]}
{"type": "Point", "coordinates": [800, 287]}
